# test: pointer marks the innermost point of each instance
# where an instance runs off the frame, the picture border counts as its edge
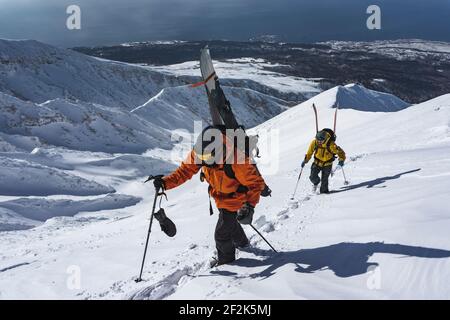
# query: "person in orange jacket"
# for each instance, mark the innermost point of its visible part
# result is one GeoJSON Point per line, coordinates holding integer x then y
{"type": "Point", "coordinates": [236, 194]}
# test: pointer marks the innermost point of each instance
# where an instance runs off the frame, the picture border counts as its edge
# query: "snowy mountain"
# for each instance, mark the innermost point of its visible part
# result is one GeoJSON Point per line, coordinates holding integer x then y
{"type": "Point", "coordinates": [414, 70]}
{"type": "Point", "coordinates": [332, 246]}
{"type": "Point", "coordinates": [178, 107]}
{"type": "Point", "coordinates": [379, 237]}
{"type": "Point", "coordinates": [356, 97]}
{"type": "Point", "coordinates": [34, 71]}
{"type": "Point", "coordinates": [80, 126]}
{"type": "Point", "coordinates": [72, 194]}
{"type": "Point", "coordinates": [57, 97]}
{"type": "Point", "coordinates": [85, 123]}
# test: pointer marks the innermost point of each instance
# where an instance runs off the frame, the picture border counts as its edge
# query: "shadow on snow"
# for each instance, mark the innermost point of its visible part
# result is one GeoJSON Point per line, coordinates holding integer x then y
{"type": "Point", "coordinates": [344, 259]}
{"type": "Point", "coordinates": [375, 182]}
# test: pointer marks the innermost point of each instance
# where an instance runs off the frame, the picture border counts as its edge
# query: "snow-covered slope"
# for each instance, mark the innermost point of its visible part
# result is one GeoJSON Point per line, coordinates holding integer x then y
{"type": "Point", "coordinates": [178, 107]}
{"type": "Point", "coordinates": [80, 125]}
{"type": "Point", "coordinates": [383, 236]}
{"type": "Point", "coordinates": [73, 159]}
{"type": "Point", "coordinates": [67, 132]}
{"type": "Point", "coordinates": [31, 70]}
{"type": "Point", "coordinates": [357, 97]}
{"type": "Point", "coordinates": [64, 98]}
{"type": "Point", "coordinates": [23, 178]}
{"type": "Point", "coordinates": [348, 244]}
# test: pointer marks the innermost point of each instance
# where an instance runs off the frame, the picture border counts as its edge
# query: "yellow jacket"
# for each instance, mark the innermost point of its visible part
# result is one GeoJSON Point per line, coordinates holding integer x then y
{"type": "Point", "coordinates": [324, 154]}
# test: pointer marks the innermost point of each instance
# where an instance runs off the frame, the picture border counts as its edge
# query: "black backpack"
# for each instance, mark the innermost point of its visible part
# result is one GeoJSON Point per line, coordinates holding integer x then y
{"type": "Point", "coordinates": [250, 148]}
{"type": "Point", "coordinates": [332, 139]}
{"type": "Point", "coordinates": [331, 133]}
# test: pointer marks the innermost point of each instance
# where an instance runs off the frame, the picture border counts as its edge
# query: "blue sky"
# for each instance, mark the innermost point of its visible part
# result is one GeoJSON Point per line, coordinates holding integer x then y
{"type": "Point", "coordinates": [107, 22]}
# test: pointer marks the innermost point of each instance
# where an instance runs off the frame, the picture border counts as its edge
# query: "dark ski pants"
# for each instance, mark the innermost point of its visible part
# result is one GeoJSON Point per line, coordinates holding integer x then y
{"type": "Point", "coordinates": [228, 235]}
{"type": "Point", "coordinates": [315, 179]}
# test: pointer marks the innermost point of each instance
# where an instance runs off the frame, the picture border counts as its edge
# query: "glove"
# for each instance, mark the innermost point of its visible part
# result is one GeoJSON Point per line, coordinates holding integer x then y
{"type": "Point", "coordinates": [158, 182]}
{"type": "Point", "coordinates": [245, 214]}
{"type": "Point", "coordinates": [167, 225]}
{"type": "Point", "coordinates": [303, 164]}
{"type": "Point", "coordinates": [267, 192]}
{"type": "Point", "coordinates": [341, 163]}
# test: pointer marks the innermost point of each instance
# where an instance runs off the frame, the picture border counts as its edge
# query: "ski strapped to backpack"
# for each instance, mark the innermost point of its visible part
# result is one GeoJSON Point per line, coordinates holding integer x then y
{"type": "Point", "coordinates": [331, 132]}
{"type": "Point", "coordinates": [221, 111]}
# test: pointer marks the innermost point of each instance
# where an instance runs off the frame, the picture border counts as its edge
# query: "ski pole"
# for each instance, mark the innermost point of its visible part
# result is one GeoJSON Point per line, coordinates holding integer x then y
{"type": "Point", "coordinates": [296, 185]}
{"type": "Point", "coordinates": [139, 279]}
{"type": "Point", "coordinates": [345, 179]}
{"type": "Point", "coordinates": [264, 238]}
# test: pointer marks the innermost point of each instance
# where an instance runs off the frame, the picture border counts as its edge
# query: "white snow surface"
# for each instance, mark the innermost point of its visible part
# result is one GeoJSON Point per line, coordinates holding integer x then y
{"type": "Point", "coordinates": [34, 71]}
{"type": "Point", "coordinates": [249, 69]}
{"type": "Point", "coordinates": [178, 107]}
{"type": "Point", "coordinates": [74, 210]}
{"type": "Point", "coordinates": [385, 235]}
{"type": "Point", "coordinates": [402, 49]}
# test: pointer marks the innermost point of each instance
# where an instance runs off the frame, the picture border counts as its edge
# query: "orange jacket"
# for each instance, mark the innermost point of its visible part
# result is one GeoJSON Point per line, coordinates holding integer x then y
{"type": "Point", "coordinates": [223, 188]}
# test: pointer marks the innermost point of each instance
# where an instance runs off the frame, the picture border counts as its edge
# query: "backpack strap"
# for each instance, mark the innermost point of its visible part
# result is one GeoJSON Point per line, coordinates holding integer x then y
{"type": "Point", "coordinates": [211, 211]}
{"type": "Point", "coordinates": [329, 148]}
{"type": "Point", "coordinates": [228, 169]}
{"type": "Point", "coordinates": [202, 179]}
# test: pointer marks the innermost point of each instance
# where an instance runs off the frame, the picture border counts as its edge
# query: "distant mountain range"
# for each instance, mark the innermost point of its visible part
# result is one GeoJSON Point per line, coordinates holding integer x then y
{"type": "Point", "coordinates": [414, 70]}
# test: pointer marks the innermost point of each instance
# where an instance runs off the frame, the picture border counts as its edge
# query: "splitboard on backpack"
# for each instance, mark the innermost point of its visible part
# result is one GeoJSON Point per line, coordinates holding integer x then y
{"type": "Point", "coordinates": [220, 108]}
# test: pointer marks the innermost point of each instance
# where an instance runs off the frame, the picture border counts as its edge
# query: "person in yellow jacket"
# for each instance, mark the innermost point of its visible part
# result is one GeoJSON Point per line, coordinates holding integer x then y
{"type": "Point", "coordinates": [325, 150]}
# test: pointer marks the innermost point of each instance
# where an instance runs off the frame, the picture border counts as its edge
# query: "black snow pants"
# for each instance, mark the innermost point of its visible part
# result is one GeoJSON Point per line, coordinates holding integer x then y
{"type": "Point", "coordinates": [315, 179]}
{"type": "Point", "coordinates": [228, 235]}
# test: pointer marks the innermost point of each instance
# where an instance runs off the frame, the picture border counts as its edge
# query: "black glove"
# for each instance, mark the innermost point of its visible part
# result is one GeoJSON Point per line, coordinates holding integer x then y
{"type": "Point", "coordinates": [341, 163]}
{"type": "Point", "coordinates": [167, 226]}
{"type": "Point", "coordinates": [245, 214]}
{"type": "Point", "coordinates": [267, 192]}
{"type": "Point", "coordinates": [158, 182]}
{"type": "Point", "coordinates": [303, 164]}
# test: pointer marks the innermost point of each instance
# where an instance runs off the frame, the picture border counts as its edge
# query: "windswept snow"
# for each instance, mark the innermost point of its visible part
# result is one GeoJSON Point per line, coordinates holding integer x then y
{"type": "Point", "coordinates": [34, 71]}
{"type": "Point", "coordinates": [356, 97]}
{"type": "Point", "coordinates": [81, 126]}
{"type": "Point", "coordinates": [331, 246]}
{"type": "Point", "coordinates": [178, 107]}
{"type": "Point", "coordinates": [41, 209]}
{"type": "Point", "coordinates": [23, 178]}
{"type": "Point", "coordinates": [10, 221]}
